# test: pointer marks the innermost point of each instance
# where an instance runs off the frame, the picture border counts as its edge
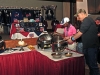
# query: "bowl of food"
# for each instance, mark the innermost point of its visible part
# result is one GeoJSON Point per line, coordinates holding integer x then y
{"type": "Point", "coordinates": [68, 54]}
{"type": "Point", "coordinates": [56, 55]}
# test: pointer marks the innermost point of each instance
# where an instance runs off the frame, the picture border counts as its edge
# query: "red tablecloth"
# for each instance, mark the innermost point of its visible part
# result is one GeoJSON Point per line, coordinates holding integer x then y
{"type": "Point", "coordinates": [34, 63]}
{"type": "Point", "coordinates": [13, 30]}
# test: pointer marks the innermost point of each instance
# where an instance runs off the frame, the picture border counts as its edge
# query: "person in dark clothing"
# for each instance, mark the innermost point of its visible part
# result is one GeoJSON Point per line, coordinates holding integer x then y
{"type": "Point", "coordinates": [97, 21]}
{"type": "Point", "coordinates": [88, 31]}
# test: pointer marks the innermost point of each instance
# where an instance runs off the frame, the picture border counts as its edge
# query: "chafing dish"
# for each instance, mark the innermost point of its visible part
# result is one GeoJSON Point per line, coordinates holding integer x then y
{"type": "Point", "coordinates": [44, 41]}
{"type": "Point", "coordinates": [56, 40]}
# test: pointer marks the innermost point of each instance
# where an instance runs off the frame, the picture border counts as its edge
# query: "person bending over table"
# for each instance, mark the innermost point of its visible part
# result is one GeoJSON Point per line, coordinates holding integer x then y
{"type": "Point", "coordinates": [88, 31]}
{"type": "Point", "coordinates": [69, 30]}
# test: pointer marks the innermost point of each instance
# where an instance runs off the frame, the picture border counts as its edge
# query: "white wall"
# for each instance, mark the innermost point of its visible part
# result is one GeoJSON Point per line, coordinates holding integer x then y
{"type": "Point", "coordinates": [82, 5]}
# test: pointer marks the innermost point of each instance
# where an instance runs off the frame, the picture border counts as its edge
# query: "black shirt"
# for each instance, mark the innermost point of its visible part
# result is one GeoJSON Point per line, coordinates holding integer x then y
{"type": "Point", "coordinates": [89, 30]}
{"type": "Point", "coordinates": [78, 23]}
{"type": "Point", "coordinates": [79, 40]}
{"type": "Point", "coordinates": [99, 29]}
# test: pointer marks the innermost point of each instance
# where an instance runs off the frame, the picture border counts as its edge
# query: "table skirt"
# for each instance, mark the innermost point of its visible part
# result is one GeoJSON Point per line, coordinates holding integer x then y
{"type": "Point", "coordinates": [34, 63]}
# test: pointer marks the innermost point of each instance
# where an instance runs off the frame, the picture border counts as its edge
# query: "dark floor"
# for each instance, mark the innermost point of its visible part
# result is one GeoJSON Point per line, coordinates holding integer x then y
{"type": "Point", "coordinates": [7, 37]}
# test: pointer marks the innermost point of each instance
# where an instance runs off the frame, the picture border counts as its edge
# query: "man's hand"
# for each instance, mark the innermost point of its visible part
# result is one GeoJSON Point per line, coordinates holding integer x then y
{"type": "Point", "coordinates": [69, 41]}
{"type": "Point", "coordinates": [76, 36]}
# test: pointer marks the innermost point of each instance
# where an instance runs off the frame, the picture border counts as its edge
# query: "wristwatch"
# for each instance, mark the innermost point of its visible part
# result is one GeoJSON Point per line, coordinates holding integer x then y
{"type": "Point", "coordinates": [72, 38]}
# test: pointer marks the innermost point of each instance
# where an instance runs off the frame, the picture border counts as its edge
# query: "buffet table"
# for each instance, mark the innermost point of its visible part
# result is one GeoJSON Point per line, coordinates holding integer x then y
{"type": "Point", "coordinates": [37, 62]}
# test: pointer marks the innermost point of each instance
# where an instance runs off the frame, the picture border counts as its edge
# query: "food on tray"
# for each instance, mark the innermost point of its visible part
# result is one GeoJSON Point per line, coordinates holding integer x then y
{"type": "Point", "coordinates": [31, 47]}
